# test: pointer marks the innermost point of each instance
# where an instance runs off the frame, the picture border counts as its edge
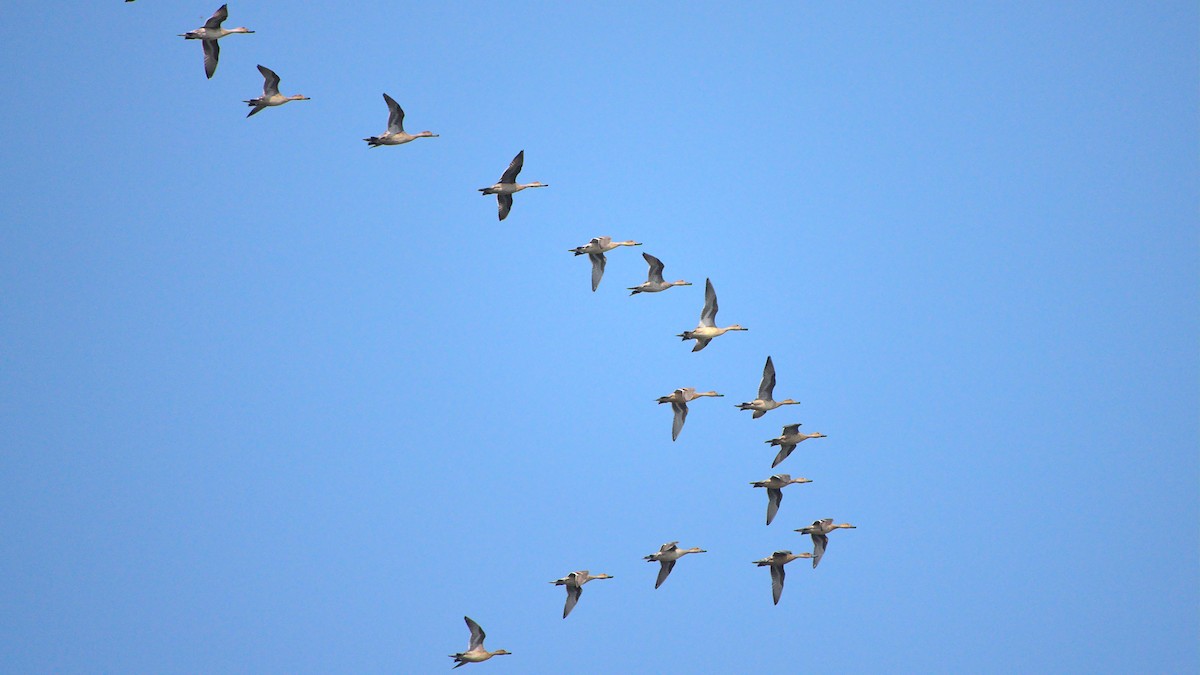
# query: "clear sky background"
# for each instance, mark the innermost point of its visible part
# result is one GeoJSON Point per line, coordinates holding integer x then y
{"type": "Point", "coordinates": [271, 401]}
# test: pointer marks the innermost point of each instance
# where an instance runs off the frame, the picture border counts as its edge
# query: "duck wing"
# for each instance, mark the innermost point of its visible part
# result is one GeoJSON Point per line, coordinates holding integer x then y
{"type": "Point", "coordinates": [708, 315]}
{"type": "Point", "coordinates": [784, 451]}
{"type": "Point", "coordinates": [766, 389]}
{"type": "Point", "coordinates": [681, 411]}
{"type": "Point", "coordinates": [573, 593]}
{"type": "Point", "coordinates": [477, 634]}
{"type": "Point", "coordinates": [656, 269]}
{"type": "Point", "coordinates": [270, 81]}
{"type": "Point", "coordinates": [214, 22]}
{"type": "Point", "coordinates": [667, 566]}
{"type": "Point", "coordinates": [598, 263]}
{"type": "Point", "coordinates": [395, 116]}
{"type": "Point", "coordinates": [212, 51]}
{"type": "Point", "coordinates": [514, 168]}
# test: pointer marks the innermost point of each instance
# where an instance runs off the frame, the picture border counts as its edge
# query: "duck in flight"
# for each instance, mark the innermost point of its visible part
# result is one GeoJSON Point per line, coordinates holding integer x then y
{"type": "Point", "coordinates": [765, 401]}
{"type": "Point", "coordinates": [775, 485]}
{"type": "Point", "coordinates": [475, 651]}
{"type": "Point", "coordinates": [654, 279]}
{"type": "Point", "coordinates": [395, 134]}
{"type": "Point", "coordinates": [508, 185]}
{"type": "Point", "coordinates": [819, 531]}
{"type": "Point", "coordinates": [209, 33]}
{"type": "Point", "coordinates": [667, 554]}
{"type": "Point", "coordinates": [707, 329]}
{"type": "Point", "coordinates": [776, 561]}
{"type": "Point", "coordinates": [271, 95]}
{"type": "Point", "coordinates": [788, 440]}
{"type": "Point", "coordinates": [679, 400]}
{"type": "Point", "coordinates": [595, 250]}
{"type": "Point", "coordinates": [574, 583]}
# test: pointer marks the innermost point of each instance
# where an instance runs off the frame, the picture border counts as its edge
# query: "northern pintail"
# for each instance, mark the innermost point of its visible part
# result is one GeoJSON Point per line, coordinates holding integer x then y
{"type": "Point", "coordinates": [788, 440]}
{"type": "Point", "coordinates": [574, 583]}
{"type": "Point", "coordinates": [395, 134]}
{"type": "Point", "coordinates": [209, 33]}
{"type": "Point", "coordinates": [271, 95]}
{"type": "Point", "coordinates": [475, 651]}
{"type": "Point", "coordinates": [776, 561]}
{"type": "Point", "coordinates": [667, 554]}
{"type": "Point", "coordinates": [707, 329]}
{"type": "Point", "coordinates": [654, 279]}
{"type": "Point", "coordinates": [766, 390]}
{"type": "Point", "coordinates": [820, 530]}
{"type": "Point", "coordinates": [508, 185]}
{"type": "Point", "coordinates": [679, 400]}
{"type": "Point", "coordinates": [595, 250]}
{"type": "Point", "coordinates": [775, 485]}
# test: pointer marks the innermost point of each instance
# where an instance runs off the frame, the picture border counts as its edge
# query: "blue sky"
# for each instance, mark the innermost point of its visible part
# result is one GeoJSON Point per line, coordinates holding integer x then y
{"type": "Point", "coordinates": [275, 402]}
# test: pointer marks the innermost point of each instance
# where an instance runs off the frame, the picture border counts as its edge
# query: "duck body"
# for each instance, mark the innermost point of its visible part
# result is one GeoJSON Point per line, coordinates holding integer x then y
{"type": "Point", "coordinates": [595, 250]}
{"type": "Point", "coordinates": [271, 96]}
{"type": "Point", "coordinates": [707, 329]}
{"type": "Point", "coordinates": [395, 134]}
{"type": "Point", "coordinates": [679, 400]}
{"type": "Point", "coordinates": [766, 401]}
{"type": "Point", "coordinates": [774, 486]}
{"type": "Point", "coordinates": [209, 33]}
{"type": "Point", "coordinates": [507, 186]}
{"type": "Point", "coordinates": [819, 531]}
{"type": "Point", "coordinates": [788, 440]}
{"type": "Point", "coordinates": [476, 653]}
{"type": "Point", "coordinates": [654, 282]}
{"type": "Point", "coordinates": [776, 561]}
{"type": "Point", "coordinates": [667, 555]}
{"type": "Point", "coordinates": [574, 583]}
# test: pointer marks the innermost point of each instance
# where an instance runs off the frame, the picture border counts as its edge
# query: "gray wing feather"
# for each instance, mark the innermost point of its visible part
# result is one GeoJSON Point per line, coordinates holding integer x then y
{"type": "Point", "coordinates": [774, 497]}
{"type": "Point", "coordinates": [395, 115]}
{"type": "Point", "coordinates": [656, 268]}
{"type": "Point", "coordinates": [477, 634]}
{"type": "Point", "coordinates": [681, 411]}
{"type": "Point", "coordinates": [212, 51]}
{"type": "Point", "coordinates": [598, 263]}
{"type": "Point", "coordinates": [514, 168]}
{"type": "Point", "coordinates": [573, 593]}
{"type": "Point", "coordinates": [767, 388]}
{"type": "Point", "coordinates": [777, 575]}
{"type": "Point", "coordinates": [820, 541]}
{"type": "Point", "coordinates": [214, 22]}
{"type": "Point", "coordinates": [708, 315]}
{"type": "Point", "coordinates": [667, 566]}
{"type": "Point", "coordinates": [504, 203]}
{"type": "Point", "coordinates": [784, 451]}
{"type": "Point", "coordinates": [270, 81]}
